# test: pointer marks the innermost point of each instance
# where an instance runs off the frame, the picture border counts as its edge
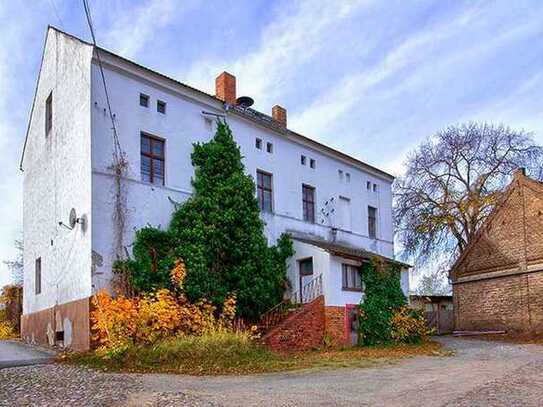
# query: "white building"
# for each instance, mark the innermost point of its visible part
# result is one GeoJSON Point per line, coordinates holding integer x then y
{"type": "Point", "coordinates": [320, 195]}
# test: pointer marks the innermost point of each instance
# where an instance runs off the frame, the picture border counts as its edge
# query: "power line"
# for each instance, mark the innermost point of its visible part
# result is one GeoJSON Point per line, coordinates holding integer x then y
{"type": "Point", "coordinates": [116, 143]}
{"type": "Point", "coordinates": [55, 10]}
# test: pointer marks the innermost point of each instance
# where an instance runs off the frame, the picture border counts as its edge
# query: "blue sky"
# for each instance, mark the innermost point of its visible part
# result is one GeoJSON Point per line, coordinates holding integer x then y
{"type": "Point", "coordinates": [371, 78]}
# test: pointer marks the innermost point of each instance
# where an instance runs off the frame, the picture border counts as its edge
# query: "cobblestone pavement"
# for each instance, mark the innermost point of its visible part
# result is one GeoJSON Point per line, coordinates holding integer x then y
{"type": "Point", "coordinates": [481, 373]}
{"type": "Point", "coordinates": [61, 385]}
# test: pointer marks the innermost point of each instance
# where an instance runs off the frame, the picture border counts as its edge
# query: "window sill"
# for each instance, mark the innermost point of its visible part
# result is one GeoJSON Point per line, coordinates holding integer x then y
{"type": "Point", "coordinates": [356, 290]}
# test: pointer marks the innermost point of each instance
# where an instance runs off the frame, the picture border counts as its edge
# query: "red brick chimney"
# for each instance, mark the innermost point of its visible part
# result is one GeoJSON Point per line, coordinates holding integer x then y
{"type": "Point", "coordinates": [519, 172]}
{"type": "Point", "coordinates": [279, 114]}
{"type": "Point", "coordinates": [225, 88]}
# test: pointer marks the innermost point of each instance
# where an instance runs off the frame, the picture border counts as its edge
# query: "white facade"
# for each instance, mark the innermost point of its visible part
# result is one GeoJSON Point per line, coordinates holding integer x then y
{"type": "Point", "coordinates": [70, 169]}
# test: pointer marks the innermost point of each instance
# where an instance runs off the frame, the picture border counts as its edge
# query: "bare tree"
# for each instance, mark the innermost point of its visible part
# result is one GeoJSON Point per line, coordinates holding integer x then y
{"type": "Point", "coordinates": [433, 284]}
{"type": "Point", "coordinates": [15, 266]}
{"type": "Point", "coordinates": [453, 181]}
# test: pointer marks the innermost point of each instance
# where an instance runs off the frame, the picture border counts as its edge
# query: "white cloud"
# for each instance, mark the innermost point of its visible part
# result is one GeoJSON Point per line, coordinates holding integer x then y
{"type": "Point", "coordinates": [342, 98]}
{"type": "Point", "coordinates": [292, 38]}
{"type": "Point", "coordinates": [133, 29]}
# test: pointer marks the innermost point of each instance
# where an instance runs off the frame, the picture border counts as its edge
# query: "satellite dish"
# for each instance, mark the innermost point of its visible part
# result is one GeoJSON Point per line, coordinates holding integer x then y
{"type": "Point", "coordinates": [244, 102]}
{"type": "Point", "coordinates": [73, 218]}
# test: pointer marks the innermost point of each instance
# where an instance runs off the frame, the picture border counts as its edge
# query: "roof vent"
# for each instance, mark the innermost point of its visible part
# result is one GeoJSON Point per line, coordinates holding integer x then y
{"type": "Point", "coordinates": [244, 102]}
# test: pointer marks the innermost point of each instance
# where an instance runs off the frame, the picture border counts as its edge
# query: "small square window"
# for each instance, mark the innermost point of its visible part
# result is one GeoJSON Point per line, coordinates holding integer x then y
{"type": "Point", "coordinates": [258, 143]}
{"type": "Point", "coordinates": [144, 100]}
{"type": "Point", "coordinates": [368, 186]}
{"type": "Point", "coordinates": [303, 160]}
{"type": "Point", "coordinates": [269, 147]}
{"type": "Point", "coordinates": [312, 163]}
{"type": "Point", "coordinates": [161, 106]}
{"type": "Point", "coordinates": [374, 187]}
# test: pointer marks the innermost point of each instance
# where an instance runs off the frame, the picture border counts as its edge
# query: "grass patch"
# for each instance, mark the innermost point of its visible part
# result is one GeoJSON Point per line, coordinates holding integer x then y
{"type": "Point", "coordinates": [236, 353]}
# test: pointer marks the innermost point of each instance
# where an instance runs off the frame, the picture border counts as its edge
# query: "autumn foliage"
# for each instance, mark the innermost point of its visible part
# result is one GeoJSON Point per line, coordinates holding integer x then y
{"type": "Point", "coordinates": [120, 322]}
{"type": "Point", "coordinates": [409, 326]}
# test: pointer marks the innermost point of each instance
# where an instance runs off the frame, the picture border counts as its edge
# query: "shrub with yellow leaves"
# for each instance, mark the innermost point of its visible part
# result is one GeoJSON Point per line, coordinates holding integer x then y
{"type": "Point", "coordinates": [178, 274]}
{"type": "Point", "coordinates": [119, 322]}
{"type": "Point", "coordinates": [409, 326]}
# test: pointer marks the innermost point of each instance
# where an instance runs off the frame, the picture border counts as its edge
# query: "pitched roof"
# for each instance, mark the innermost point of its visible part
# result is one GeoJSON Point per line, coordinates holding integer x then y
{"type": "Point", "coordinates": [250, 114]}
{"type": "Point", "coordinates": [344, 249]}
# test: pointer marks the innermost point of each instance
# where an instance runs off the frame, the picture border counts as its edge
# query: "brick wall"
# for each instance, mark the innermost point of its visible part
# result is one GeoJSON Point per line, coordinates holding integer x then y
{"type": "Point", "coordinates": [302, 331]}
{"type": "Point", "coordinates": [498, 283]}
{"type": "Point", "coordinates": [335, 325]}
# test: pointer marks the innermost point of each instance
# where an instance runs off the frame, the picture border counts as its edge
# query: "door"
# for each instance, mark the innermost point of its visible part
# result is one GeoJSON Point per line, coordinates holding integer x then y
{"type": "Point", "coordinates": [305, 267]}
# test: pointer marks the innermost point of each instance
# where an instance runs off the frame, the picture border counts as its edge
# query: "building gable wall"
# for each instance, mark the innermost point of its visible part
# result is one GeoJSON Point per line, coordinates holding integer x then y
{"type": "Point", "coordinates": [498, 284]}
{"type": "Point", "coordinates": [57, 178]}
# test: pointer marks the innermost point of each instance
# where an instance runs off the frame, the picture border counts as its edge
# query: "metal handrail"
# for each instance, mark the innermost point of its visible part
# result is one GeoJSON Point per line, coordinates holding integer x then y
{"type": "Point", "coordinates": [308, 293]}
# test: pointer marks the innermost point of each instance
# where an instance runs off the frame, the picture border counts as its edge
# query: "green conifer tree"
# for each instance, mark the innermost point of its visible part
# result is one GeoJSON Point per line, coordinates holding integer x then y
{"type": "Point", "coordinates": [220, 236]}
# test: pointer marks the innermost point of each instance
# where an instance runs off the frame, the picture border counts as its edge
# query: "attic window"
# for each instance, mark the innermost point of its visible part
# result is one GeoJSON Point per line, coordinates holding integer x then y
{"type": "Point", "coordinates": [368, 186]}
{"type": "Point", "coordinates": [374, 187]}
{"type": "Point", "coordinates": [144, 100]}
{"type": "Point", "coordinates": [348, 177]}
{"type": "Point", "coordinates": [49, 114]}
{"type": "Point", "coordinates": [269, 147]}
{"type": "Point", "coordinates": [161, 106]}
{"type": "Point", "coordinates": [312, 163]}
{"type": "Point", "coordinates": [303, 159]}
{"type": "Point", "coordinates": [258, 143]}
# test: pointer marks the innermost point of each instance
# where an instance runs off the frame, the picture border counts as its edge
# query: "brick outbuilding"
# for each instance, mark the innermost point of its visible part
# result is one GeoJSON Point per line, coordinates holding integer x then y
{"type": "Point", "coordinates": [498, 280]}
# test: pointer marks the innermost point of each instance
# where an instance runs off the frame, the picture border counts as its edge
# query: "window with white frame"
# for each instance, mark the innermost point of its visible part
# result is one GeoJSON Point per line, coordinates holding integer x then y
{"type": "Point", "coordinates": [264, 190]}
{"type": "Point", "coordinates": [351, 279]}
{"type": "Point", "coordinates": [372, 222]}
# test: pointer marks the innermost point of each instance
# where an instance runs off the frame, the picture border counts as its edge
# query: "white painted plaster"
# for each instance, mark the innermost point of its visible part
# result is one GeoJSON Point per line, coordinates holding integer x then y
{"type": "Point", "coordinates": [57, 177]}
{"type": "Point", "coordinates": [72, 170]}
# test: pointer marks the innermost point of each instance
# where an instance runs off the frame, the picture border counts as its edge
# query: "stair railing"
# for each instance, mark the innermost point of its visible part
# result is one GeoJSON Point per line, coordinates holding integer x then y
{"type": "Point", "coordinates": [279, 312]}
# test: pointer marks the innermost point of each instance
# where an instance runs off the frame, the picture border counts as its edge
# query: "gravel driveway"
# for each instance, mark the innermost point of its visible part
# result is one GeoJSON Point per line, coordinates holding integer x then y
{"type": "Point", "coordinates": [480, 374]}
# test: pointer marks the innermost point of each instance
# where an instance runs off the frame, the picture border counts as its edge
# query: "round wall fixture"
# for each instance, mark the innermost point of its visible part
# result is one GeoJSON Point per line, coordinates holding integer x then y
{"type": "Point", "coordinates": [73, 218]}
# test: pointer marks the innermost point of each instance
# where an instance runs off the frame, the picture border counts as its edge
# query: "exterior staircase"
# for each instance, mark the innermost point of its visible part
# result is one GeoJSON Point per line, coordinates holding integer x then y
{"type": "Point", "coordinates": [291, 305]}
{"type": "Point", "coordinates": [296, 323]}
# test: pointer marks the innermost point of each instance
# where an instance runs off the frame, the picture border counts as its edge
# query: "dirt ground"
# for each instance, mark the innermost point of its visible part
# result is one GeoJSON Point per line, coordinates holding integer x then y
{"type": "Point", "coordinates": [481, 373]}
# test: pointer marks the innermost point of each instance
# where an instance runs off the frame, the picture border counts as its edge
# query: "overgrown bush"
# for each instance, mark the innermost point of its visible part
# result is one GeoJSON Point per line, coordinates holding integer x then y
{"type": "Point", "coordinates": [219, 234]}
{"type": "Point", "coordinates": [409, 326]}
{"type": "Point", "coordinates": [383, 296]}
{"type": "Point", "coordinates": [7, 328]}
{"type": "Point", "coordinates": [11, 300]}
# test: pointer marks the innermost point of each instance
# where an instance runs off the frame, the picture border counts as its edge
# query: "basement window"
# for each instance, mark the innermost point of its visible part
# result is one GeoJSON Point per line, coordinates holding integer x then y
{"type": "Point", "coordinates": [161, 106]}
{"type": "Point", "coordinates": [144, 100]}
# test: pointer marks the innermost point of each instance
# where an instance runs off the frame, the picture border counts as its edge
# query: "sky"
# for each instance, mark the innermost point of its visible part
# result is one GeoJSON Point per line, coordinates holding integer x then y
{"type": "Point", "coordinates": [371, 78]}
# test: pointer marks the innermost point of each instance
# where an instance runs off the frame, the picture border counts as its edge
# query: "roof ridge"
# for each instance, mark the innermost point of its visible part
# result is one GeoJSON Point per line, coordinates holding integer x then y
{"type": "Point", "coordinates": [242, 112]}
